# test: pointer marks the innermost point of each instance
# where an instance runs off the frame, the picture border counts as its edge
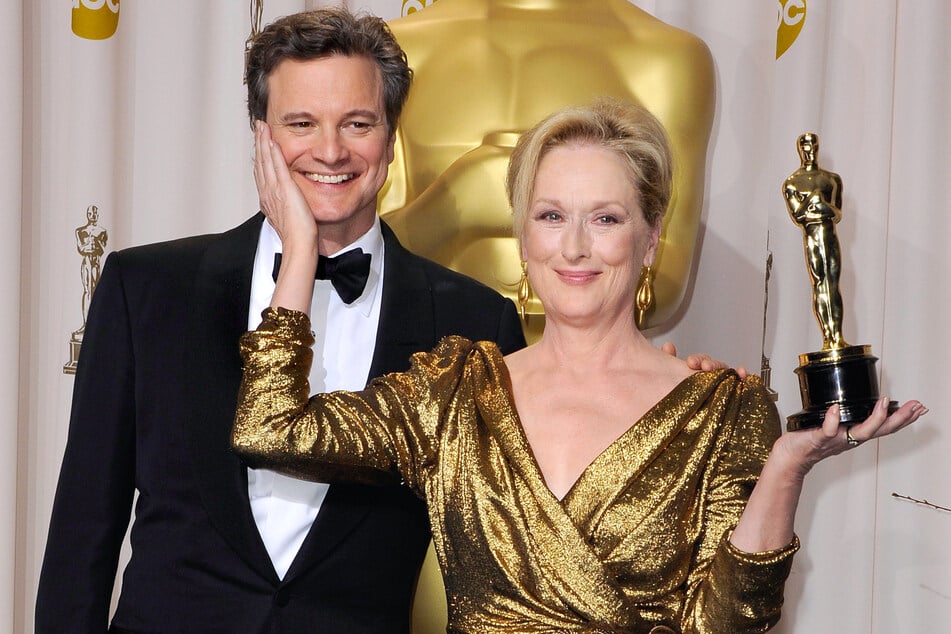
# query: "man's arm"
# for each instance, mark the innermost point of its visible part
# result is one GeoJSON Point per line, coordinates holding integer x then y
{"type": "Point", "coordinates": [93, 498]}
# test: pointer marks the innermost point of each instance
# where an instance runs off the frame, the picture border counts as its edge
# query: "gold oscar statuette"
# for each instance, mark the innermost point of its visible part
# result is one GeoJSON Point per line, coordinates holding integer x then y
{"type": "Point", "coordinates": [91, 242]}
{"type": "Point", "coordinates": [839, 374]}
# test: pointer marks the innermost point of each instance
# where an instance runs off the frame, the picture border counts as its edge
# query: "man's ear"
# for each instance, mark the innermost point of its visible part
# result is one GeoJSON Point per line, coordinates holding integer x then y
{"type": "Point", "coordinates": [390, 147]}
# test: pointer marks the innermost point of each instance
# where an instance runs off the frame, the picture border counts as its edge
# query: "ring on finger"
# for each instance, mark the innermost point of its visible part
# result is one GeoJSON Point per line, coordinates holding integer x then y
{"type": "Point", "coordinates": [849, 439]}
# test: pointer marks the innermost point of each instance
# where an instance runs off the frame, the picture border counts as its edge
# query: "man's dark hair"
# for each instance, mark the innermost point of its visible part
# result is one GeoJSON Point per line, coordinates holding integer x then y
{"type": "Point", "coordinates": [322, 33]}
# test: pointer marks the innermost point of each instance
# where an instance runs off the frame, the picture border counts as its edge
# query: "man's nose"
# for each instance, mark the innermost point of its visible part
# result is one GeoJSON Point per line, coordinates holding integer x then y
{"type": "Point", "coordinates": [328, 147]}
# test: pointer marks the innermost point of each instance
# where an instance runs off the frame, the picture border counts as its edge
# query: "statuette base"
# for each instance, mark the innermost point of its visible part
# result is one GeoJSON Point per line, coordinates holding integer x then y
{"type": "Point", "coordinates": [843, 376]}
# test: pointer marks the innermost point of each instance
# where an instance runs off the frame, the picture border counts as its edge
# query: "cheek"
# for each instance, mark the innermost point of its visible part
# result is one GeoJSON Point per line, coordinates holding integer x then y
{"type": "Point", "coordinates": [291, 148]}
{"type": "Point", "coordinates": [538, 245]}
{"type": "Point", "coordinates": [375, 153]}
{"type": "Point", "coordinates": [621, 251]}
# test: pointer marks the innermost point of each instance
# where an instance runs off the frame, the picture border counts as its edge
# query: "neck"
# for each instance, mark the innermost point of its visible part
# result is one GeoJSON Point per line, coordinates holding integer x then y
{"type": "Point", "coordinates": [592, 345]}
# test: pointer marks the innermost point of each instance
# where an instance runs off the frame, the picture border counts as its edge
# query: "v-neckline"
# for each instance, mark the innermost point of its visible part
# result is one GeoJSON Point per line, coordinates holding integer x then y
{"type": "Point", "coordinates": [655, 434]}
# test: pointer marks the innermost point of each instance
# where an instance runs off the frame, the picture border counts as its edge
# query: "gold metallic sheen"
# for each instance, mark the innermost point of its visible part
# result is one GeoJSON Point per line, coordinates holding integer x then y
{"type": "Point", "coordinates": [835, 354]}
{"type": "Point", "coordinates": [644, 298]}
{"type": "Point", "coordinates": [640, 541]}
{"type": "Point", "coordinates": [486, 71]}
{"type": "Point", "coordinates": [814, 200]}
{"type": "Point", "coordinates": [524, 291]}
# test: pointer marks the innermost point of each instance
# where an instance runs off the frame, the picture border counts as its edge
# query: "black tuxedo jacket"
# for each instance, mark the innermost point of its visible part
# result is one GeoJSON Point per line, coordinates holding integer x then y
{"type": "Point", "coordinates": [152, 410]}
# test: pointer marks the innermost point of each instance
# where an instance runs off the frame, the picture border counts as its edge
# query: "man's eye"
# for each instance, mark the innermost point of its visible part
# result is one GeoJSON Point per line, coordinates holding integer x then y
{"type": "Point", "coordinates": [358, 126]}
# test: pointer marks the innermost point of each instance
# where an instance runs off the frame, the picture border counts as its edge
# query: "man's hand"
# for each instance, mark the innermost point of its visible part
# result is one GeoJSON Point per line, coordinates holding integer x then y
{"type": "Point", "coordinates": [702, 360]}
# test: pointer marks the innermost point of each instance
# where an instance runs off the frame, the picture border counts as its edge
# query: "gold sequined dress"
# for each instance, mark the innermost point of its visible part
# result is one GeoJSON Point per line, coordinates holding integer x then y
{"type": "Point", "coordinates": [640, 542]}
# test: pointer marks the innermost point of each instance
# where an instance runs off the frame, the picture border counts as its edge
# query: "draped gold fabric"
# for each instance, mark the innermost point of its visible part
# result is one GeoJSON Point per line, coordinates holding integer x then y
{"type": "Point", "coordinates": [640, 541]}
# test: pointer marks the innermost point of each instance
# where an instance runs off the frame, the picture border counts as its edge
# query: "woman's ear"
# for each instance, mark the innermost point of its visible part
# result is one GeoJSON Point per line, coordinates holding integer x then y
{"type": "Point", "coordinates": [654, 241]}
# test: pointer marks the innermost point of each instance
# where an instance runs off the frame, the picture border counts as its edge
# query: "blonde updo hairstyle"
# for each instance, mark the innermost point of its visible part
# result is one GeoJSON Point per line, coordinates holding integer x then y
{"type": "Point", "coordinates": [625, 128]}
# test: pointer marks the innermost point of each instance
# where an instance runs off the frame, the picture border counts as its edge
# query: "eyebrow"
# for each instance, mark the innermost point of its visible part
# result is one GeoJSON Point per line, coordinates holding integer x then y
{"type": "Point", "coordinates": [598, 204]}
{"type": "Point", "coordinates": [358, 112]}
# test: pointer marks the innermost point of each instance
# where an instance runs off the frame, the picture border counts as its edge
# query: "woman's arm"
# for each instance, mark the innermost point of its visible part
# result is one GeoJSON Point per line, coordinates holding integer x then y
{"type": "Point", "coordinates": [729, 590]}
{"type": "Point", "coordinates": [767, 521]}
{"type": "Point", "coordinates": [384, 431]}
{"type": "Point", "coordinates": [287, 211]}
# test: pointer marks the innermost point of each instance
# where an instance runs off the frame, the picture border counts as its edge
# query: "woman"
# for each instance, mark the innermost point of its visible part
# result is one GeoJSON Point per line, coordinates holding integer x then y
{"type": "Point", "coordinates": [589, 482]}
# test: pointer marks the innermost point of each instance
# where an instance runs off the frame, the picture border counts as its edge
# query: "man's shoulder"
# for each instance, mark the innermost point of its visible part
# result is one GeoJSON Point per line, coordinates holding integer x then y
{"type": "Point", "coordinates": [440, 278]}
{"type": "Point", "coordinates": [444, 280]}
{"type": "Point", "coordinates": [178, 253]}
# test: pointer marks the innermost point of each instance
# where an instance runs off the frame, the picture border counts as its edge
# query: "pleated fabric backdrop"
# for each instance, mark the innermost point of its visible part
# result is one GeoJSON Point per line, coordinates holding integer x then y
{"type": "Point", "coordinates": [149, 125]}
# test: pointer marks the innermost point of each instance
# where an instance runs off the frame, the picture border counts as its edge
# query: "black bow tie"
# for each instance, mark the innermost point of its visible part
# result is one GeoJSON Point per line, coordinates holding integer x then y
{"type": "Point", "coordinates": [348, 272]}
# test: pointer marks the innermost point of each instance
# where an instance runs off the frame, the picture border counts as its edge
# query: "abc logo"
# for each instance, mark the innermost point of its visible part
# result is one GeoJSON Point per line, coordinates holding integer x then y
{"type": "Point", "coordinates": [791, 17]}
{"type": "Point", "coordinates": [412, 6]}
{"type": "Point", "coordinates": [95, 19]}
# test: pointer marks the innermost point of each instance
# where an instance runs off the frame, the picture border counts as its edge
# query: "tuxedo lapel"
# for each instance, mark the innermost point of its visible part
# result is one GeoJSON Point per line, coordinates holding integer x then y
{"type": "Point", "coordinates": [219, 316]}
{"type": "Point", "coordinates": [406, 314]}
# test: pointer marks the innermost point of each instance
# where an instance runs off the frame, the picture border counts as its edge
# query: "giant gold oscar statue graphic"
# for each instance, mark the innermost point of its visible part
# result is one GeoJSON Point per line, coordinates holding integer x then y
{"type": "Point", "coordinates": [839, 374]}
{"type": "Point", "coordinates": [487, 70]}
{"type": "Point", "coordinates": [95, 19]}
{"type": "Point", "coordinates": [91, 242]}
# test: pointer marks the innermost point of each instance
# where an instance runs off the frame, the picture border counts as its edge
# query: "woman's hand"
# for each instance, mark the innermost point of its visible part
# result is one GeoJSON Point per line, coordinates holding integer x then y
{"type": "Point", "coordinates": [288, 212]}
{"type": "Point", "coordinates": [801, 450]}
{"type": "Point", "coordinates": [767, 521]}
{"type": "Point", "coordinates": [281, 199]}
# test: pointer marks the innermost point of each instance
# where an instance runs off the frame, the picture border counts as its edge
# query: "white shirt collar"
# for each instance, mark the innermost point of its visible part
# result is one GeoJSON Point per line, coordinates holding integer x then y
{"type": "Point", "coordinates": [371, 242]}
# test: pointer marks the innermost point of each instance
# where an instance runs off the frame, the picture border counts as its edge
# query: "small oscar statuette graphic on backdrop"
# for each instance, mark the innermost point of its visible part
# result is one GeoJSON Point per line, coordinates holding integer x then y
{"type": "Point", "coordinates": [91, 243]}
{"type": "Point", "coordinates": [839, 374]}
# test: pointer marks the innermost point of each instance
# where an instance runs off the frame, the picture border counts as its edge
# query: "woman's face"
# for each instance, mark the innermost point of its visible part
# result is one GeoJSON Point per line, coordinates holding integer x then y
{"type": "Point", "coordinates": [585, 238]}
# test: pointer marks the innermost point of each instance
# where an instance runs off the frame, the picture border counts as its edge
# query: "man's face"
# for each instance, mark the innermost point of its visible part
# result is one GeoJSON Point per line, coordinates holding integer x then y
{"type": "Point", "coordinates": [328, 117]}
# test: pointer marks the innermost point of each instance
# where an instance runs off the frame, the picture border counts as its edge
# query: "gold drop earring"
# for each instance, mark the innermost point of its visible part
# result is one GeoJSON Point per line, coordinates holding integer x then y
{"type": "Point", "coordinates": [644, 299]}
{"type": "Point", "coordinates": [524, 291]}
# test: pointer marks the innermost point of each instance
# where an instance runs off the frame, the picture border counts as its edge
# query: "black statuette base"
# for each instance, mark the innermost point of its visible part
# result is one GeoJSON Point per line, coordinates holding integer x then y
{"type": "Point", "coordinates": [845, 377]}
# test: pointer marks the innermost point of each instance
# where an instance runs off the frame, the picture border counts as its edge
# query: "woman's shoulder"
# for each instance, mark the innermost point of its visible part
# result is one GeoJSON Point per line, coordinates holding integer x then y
{"type": "Point", "coordinates": [456, 349]}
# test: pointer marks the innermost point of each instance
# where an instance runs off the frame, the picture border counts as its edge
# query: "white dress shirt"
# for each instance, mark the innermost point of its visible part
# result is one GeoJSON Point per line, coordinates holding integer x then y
{"type": "Point", "coordinates": [284, 508]}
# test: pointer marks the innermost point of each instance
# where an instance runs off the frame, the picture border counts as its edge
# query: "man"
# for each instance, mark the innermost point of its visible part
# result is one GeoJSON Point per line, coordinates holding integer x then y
{"type": "Point", "coordinates": [214, 547]}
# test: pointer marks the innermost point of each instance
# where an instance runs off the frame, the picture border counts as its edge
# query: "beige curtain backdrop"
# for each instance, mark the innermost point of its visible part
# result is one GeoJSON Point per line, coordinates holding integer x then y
{"type": "Point", "coordinates": [150, 126]}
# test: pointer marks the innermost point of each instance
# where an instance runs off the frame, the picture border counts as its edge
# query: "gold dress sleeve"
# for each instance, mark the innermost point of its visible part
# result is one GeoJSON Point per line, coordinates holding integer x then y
{"type": "Point", "coordinates": [730, 590]}
{"type": "Point", "coordinates": [379, 435]}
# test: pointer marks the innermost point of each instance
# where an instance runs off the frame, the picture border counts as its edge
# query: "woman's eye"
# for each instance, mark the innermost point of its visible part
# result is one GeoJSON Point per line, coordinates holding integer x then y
{"type": "Point", "coordinates": [607, 220]}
